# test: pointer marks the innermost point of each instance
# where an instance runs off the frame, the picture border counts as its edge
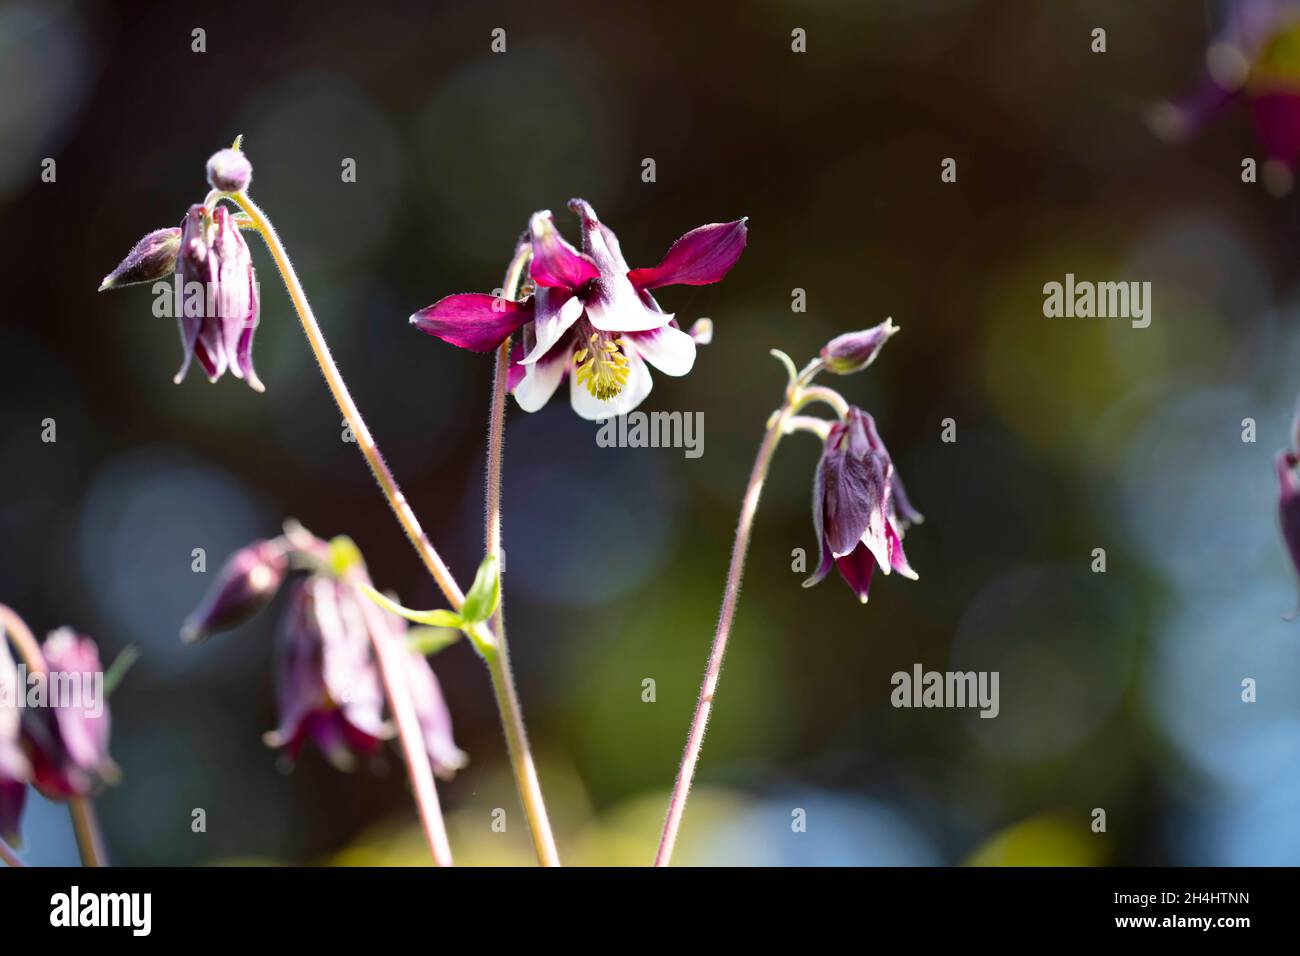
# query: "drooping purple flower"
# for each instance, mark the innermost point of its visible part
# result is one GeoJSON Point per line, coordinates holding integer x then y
{"type": "Point", "coordinates": [245, 585]}
{"type": "Point", "coordinates": [590, 317]}
{"type": "Point", "coordinates": [218, 315]}
{"type": "Point", "coordinates": [68, 738]}
{"type": "Point", "coordinates": [1255, 57]}
{"type": "Point", "coordinates": [15, 769]}
{"type": "Point", "coordinates": [860, 510]}
{"type": "Point", "coordinates": [327, 683]}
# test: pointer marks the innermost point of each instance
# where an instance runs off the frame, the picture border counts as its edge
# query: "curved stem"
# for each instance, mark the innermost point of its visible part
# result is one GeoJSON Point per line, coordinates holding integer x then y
{"type": "Point", "coordinates": [383, 475]}
{"type": "Point", "coordinates": [730, 597]}
{"type": "Point", "coordinates": [12, 625]}
{"type": "Point", "coordinates": [808, 423]}
{"type": "Point", "coordinates": [819, 393]}
{"type": "Point", "coordinates": [417, 758]}
{"type": "Point", "coordinates": [498, 658]}
{"type": "Point", "coordinates": [86, 825]}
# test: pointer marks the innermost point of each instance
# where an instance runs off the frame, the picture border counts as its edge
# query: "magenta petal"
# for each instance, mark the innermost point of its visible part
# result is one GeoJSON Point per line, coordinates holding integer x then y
{"type": "Point", "coordinates": [897, 559]}
{"type": "Point", "coordinates": [517, 368]}
{"type": "Point", "coordinates": [556, 263]}
{"type": "Point", "coordinates": [473, 320]}
{"type": "Point", "coordinates": [854, 491]}
{"type": "Point", "coordinates": [856, 568]}
{"type": "Point", "coordinates": [701, 256]}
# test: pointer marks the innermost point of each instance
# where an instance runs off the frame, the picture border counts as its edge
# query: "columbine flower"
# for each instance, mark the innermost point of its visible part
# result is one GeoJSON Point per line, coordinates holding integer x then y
{"type": "Point", "coordinates": [1254, 57]}
{"type": "Point", "coordinates": [860, 509]}
{"type": "Point", "coordinates": [220, 332]}
{"type": "Point", "coordinates": [15, 770]}
{"type": "Point", "coordinates": [245, 585]}
{"type": "Point", "coordinates": [327, 684]}
{"type": "Point", "coordinates": [590, 317]}
{"type": "Point", "coordinates": [68, 740]}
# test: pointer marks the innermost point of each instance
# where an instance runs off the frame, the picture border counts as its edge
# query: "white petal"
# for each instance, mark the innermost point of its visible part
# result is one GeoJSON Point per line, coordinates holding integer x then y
{"type": "Point", "coordinates": [614, 306]}
{"type": "Point", "coordinates": [552, 325]}
{"type": "Point", "coordinates": [670, 350]}
{"type": "Point", "coordinates": [540, 381]}
{"type": "Point", "coordinates": [590, 407]}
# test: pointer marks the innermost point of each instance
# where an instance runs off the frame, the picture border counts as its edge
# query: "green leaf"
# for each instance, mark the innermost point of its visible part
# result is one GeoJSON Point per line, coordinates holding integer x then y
{"type": "Point", "coordinates": [438, 617]}
{"type": "Point", "coordinates": [485, 594]}
{"type": "Point", "coordinates": [344, 555]}
{"type": "Point", "coordinates": [430, 640]}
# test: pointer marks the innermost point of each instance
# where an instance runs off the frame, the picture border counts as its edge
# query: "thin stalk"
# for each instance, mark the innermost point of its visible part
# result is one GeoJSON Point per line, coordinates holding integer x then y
{"type": "Point", "coordinates": [417, 759]}
{"type": "Point", "coordinates": [798, 393]}
{"type": "Point", "coordinates": [90, 843]}
{"type": "Point", "coordinates": [393, 675]}
{"type": "Point", "coordinates": [730, 597]}
{"type": "Point", "coordinates": [334, 379]}
{"type": "Point", "coordinates": [497, 658]}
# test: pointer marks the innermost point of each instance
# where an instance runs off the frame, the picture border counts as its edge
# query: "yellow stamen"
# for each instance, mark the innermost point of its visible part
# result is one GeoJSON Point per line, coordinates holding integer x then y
{"type": "Point", "coordinates": [602, 366]}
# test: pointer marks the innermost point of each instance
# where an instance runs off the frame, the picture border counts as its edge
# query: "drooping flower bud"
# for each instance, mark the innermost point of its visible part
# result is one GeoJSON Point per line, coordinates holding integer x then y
{"type": "Point", "coordinates": [150, 259]}
{"type": "Point", "coordinates": [245, 585]}
{"type": "Point", "coordinates": [860, 511]}
{"type": "Point", "coordinates": [219, 287]}
{"type": "Point", "coordinates": [15, 770]}
{"type": "Point", "coordinates": [327, 682]}
{"type": "Point", "coordinates": [68, 738]}
{"type": "Point", "coordinates": [854, 351]}
{"type": "Point", "coordinates": [229, 170]}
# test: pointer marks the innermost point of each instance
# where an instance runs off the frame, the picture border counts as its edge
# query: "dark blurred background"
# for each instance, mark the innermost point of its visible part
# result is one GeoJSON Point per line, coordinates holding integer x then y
{"type": "Point", "coordinates": [1118, 690]}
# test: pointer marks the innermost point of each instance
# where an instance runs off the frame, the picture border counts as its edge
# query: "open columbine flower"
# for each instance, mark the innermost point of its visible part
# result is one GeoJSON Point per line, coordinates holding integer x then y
{"type": "Point", "coordinates": [590, 317]}
{"type": "Point", "coordinates": [860, 509]}
{"type": "Point", "coordinates": [1255, 57]}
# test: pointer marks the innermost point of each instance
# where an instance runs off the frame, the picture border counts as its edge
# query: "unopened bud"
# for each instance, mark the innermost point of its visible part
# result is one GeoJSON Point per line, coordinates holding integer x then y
{"type": "Point", "coordinates": [243, 587]}
{"type": "Point", "coordinates": [150, 259]}
{"type": "Point", "coordinates": [854, 351]}
{"type": "Point", "coordinates": [230, 171]}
